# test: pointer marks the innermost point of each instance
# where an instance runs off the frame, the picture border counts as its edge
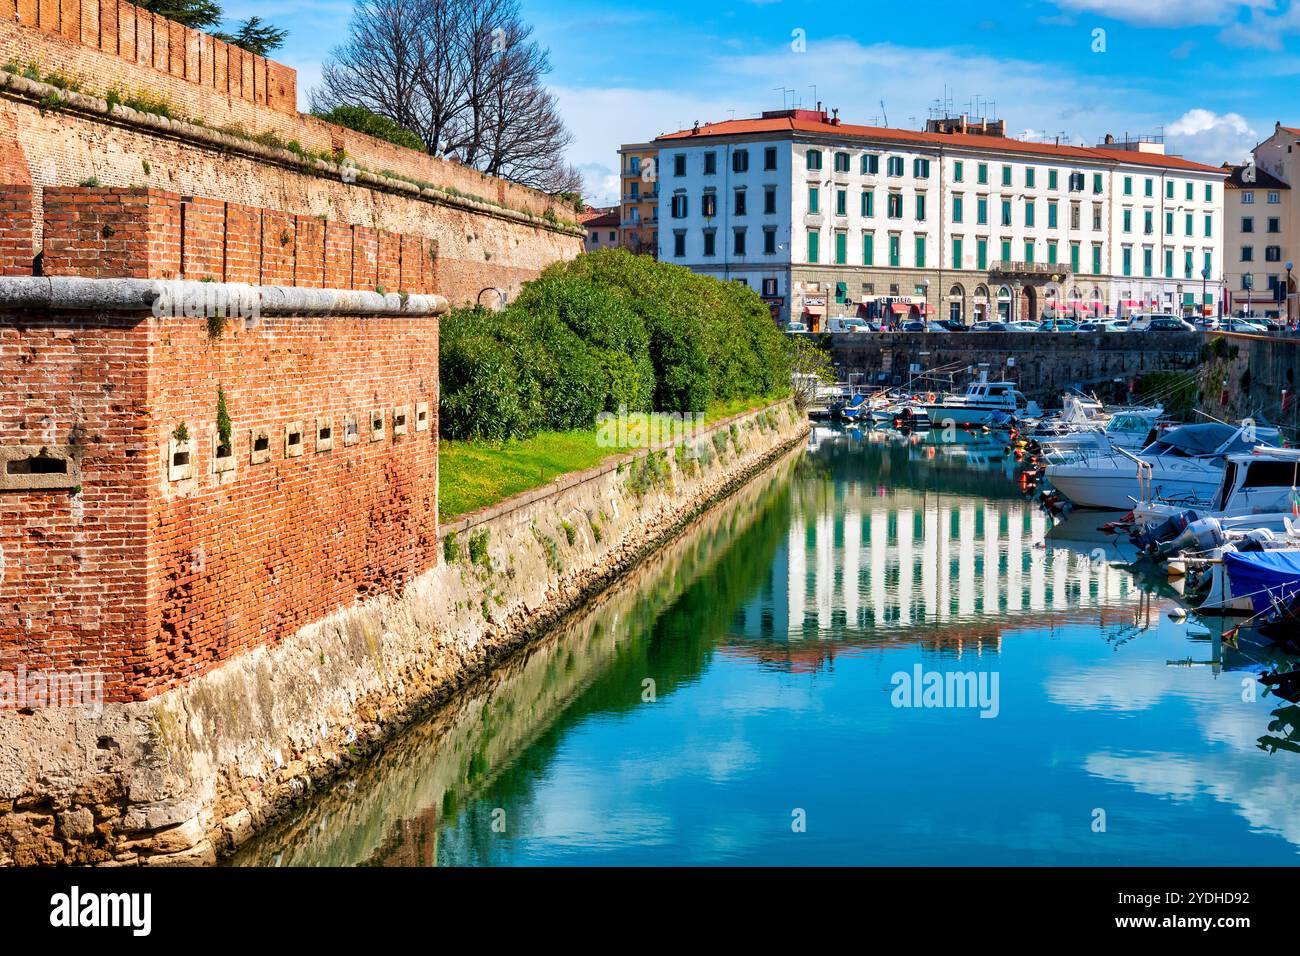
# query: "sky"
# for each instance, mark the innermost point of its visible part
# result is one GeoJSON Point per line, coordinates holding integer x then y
{"type": "Point", "coordinates": [1212, 76]}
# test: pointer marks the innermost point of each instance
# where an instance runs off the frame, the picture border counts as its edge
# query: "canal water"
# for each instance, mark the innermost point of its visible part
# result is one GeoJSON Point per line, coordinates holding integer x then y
{"type": "Point", "coordinates": [878, 653]}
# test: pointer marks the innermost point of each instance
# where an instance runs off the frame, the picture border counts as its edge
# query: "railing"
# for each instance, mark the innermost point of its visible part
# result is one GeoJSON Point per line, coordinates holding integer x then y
{"type": "Point", "coordinates": [1010, 267]}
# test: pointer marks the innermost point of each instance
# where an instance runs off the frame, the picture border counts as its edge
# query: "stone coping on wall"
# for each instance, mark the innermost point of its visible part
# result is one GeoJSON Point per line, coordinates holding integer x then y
{"type": "Point", "coordinates": [50, 97]}
{"type": "Point", "coordinates": [174, 296]}
{"type": "Point", "coordinates": [571, 479]}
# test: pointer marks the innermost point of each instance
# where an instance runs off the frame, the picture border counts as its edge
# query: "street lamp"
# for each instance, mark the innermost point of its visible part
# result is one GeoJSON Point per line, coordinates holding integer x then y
{"type": "Point", "coordinates": [1289, 266]}
{"type": "Point", "coordinates": [1015, 300]}
{"type": "Point", "coordinates": [1205, 281]}
{"type": "Point", "coordinates": [1182, 301]}
{"type": "Point", "coordinates": [925, 316]}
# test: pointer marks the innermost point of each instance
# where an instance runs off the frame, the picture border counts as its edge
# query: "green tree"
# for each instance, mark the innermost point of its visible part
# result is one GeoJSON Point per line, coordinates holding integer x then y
{"type": "Point", "coordinates": [372, 124]}
{"type": "Point", "coordinates": [255, 36]}
{"type": "Point", "coordinates": [199, 14]}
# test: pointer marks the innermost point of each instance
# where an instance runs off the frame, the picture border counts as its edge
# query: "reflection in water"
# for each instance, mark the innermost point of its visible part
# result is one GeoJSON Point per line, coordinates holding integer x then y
{"type": "Point", "coordinates": [746, 672]}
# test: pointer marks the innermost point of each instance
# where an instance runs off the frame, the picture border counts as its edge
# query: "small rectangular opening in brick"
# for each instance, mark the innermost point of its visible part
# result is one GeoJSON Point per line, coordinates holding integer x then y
{"type": "Point", "coordinates": [376, 426]}
{"type": "Point", "coordinates": [421, 416]}
{"type": "Point", "coordinates": [325, 433]}
{"type": "Point", "coordinates": [180, 459]}
{"type": "Point", "coordinates": [261, 443]}
{"type": "Point", "coordinates": [37, 465]}
{"type": "Point", "coordinates": [351, 430]}
{"type": "Point", "coordinates": [399, 422]}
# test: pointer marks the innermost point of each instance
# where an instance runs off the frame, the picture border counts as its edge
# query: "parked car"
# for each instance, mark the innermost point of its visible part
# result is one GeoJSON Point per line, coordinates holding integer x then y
{"type": "Point", "coordinates": [1241, 325]}
{"type": "Point", "coordinates": [1117, 325]}
{"type": "Point", "coordinates": [991, 327]}
{"type": "Point", "coordinates": [954, 325]}
{"type": "Point", "coordinates": [847, 323]}
{"type": "Point", "coordinates": [915, 325]}
{"type": "Point", "coordinates": [1059, 325]}
{"type": "Point", "coordinates": [1138, 321]}
{"type": "Point", "coordinates": [796, 327]}
{"type": "Point", "coordinates": [936, 326]}
{"type": "Point", "coordinates": [1022, 327]}
{"type": "Point", "coordinates": [1093, 327]}
{"type": "Point", "coordinates": [1168, 323]}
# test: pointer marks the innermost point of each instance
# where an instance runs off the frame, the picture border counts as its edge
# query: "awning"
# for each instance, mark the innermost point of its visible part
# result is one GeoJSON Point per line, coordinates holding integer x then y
{"type": "Point", "coordinates": [901, 308]}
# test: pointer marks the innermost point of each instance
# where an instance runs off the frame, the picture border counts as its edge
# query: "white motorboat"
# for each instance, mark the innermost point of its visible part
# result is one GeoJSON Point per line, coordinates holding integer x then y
{"type": "Point", "coordinates": [1132, 429]}
{"type": "Point", "coordinates": [1184, 466]}
{"type": "Point", "coordinates": [1259, 489]}
{"type": "Point", "coordinates": [981, 404]}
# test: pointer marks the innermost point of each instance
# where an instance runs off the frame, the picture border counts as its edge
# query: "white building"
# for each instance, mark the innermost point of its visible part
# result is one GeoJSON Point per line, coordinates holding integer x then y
{"type": "Point", "coordinates": [825, 219]}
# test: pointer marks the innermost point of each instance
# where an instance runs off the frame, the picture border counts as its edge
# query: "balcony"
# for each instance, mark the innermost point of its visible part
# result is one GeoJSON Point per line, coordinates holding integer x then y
{"type": "Point", "coordinates": [641, 197]}
{"type": "Point", "coordinates": [1029, 270]}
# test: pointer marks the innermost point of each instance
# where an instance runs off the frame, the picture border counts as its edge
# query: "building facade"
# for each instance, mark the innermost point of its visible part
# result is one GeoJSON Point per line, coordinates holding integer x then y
{"type": "Point", "coordinates": [1262, 228]}
{"type": "Point", "coordinates": [639, 198]}
{"type": "Point", "coordinates": [827, 220]}
{"type": "Point", "coordinates": [602, 229]}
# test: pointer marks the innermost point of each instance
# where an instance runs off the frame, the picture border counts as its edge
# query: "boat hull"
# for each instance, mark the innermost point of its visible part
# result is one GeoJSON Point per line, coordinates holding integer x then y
{"type": "Point", "coordinates": [1115, 491]}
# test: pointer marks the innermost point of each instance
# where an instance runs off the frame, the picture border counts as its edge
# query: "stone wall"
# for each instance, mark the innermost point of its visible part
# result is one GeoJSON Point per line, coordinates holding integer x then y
{"type": "Point", "coordinates": [1043, 363]}
{"type": "Point", "coordinates": [1251, 376]}
{"type": "Point", "coordinates": [193, 772]}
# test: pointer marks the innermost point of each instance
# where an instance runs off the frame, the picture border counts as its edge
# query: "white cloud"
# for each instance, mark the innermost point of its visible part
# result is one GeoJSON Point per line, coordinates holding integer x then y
{"type": "Point", "coordinates": [1166, 13]}
{"type": "Point", "coordinates": [1211, 137]}
{"type": "Point", "coordinates": [1262, 30]}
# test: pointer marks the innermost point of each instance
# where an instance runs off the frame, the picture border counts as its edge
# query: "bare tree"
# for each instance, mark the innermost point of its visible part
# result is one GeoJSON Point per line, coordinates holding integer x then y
{"type": "Point", "coordinates": [464, 75]}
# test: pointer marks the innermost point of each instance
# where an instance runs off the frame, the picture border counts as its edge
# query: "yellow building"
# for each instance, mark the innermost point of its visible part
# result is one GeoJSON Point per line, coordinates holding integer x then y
{"type": "Point", "coordinates": [639, 198]}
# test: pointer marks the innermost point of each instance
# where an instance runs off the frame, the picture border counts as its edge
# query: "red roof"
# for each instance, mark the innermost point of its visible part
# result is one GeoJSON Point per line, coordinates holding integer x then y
{"type": "Point", "coordinates": [602, 221]}
{"type": "Point", "coordinates": [975, 141]}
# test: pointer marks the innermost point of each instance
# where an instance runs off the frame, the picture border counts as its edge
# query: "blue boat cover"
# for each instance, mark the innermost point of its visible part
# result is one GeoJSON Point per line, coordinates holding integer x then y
{"type": "Point", "coordinates": [1264, 575]}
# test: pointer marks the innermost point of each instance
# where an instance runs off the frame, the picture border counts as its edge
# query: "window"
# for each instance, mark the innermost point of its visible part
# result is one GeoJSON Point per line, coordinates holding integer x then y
{"type": "Point", "coordinates": [1076, 182]}
{"type": "Point", "coordinates": [895, 165]}
{"type": "Point", "coordinates": [814, 199]}
{"type": "Point", "coordinates": [841, 293]}
{"type": "Point", "coordinates": [769, 287]}
{"type": "Point", "coordinates": [1209, 192]}
{"type": "Point", "coordinates": [1006, 250]}
{"type": "Point", "coordinates": [1096, 184]}
{"type": "Point", "coordinates": [956, 208]}
{"type": "Point", "coordinates": [1247, 224]}
{"type": "Point", "coordinates": [894, 253]}
{"type": "Point", "coordinates": [813, 158]}
{"type": "Point", "coordinates": [679, 164]}
{"type": "Point", "coordinates": [1051, 252]}
{"type": "Point", "coordinates": [1169, 224]}
{"type": "Point", "coordinates": [1148, 222]}
{"type": "Point", "coordinates": [1029, 177]}
{"type": "Point", "coordinates": [679, 206]}
{"type": "Point", "coordinates": [1096, 217]}
{"type": "Point", "coordinates": [738, 242]}
{"type": "Point", "coordinates": [921, 168]}
{"type": "Point", "coordinates": [1029, 213]}
{"type": "Point", "coordinates": [956, 252]}
{"type": "Point", "coordinates": [679, 244]}
{"type": "Point", "coordinates": [1128, 185]}
{"type": "Point", "coordinates": [1006, 212]}
{"type": "Point", "coordinates": [1274, 224]}
{"type": "Point", "coordinates": [1272, 253]}
{"type": "Point", "coordinates": [1169, 189]}
{"type": "Point", "coordinates": [920, 207]}
{"type": "Point", "coordinates": [769, 158]}
{"type": "Point", "coordinates": [1074, 215]}
{"type": "Point", "coordinates": [957, 171]}
{"type": "Point", "coordinates": [814, 245]}
{"type": "Point", "coordinates": [982, 173]}
{"type": "Point", "coordinates": [1187, 264]}
{"type": "Point", "coordinates": [1209, 224]}
{"type": "Point", "coordinates": [1190, 194]}
{"type": "Point", "coordinates": [1149, 186]}
{"type": "Point", "coordinates": [769, 241]}
{"type": "Point", "coordinates": [740, 202]}
{"type": "Point", "coordinates": [982, 210]}
{"type": "Point", "coordinates": [740, 161]}
{"type": "Point", "coordinates": [710, 163]}
{"type": "Point", "coordinates": [769, 200]}
{"type": "Point", "coordinates": [1029, 250]}
{"type": "Point", "coordinates": [1169, 263]}
{"type": "Point", "coordinates": [868, 203]}
{"type": "Point", "coordinates": [920, 252]}
{"type": "Point", "coordinates": [1127, 267]}
{"type": "Point", "coordinates": [1051, 179]}
{"type": "Point", "coordinates": [1051, 214]}
{"type": "Point", "coordinates": [1074, 257]}
{"type": "Point", "coordinates": [842, 161]}
{"type": "Point", "coordinates": [709, 205]}
{"type": "Point", "coordinates": [1128, 219]}
{"type": "Point", "coordinates": [841, 248]}
{"type": "Point", "coordinates": [1247, 199]}
{"type": "Point", "coordinates": [710, 242]}
{"type": "Point", "coordinates": [1147, 263]}
{"type": "Point", "coordinates": [868, 248]}
{"type": "Point", "coordinates": [1096, 258]}
{"type": "Point", "coordinates": [895, 208]}
{"type": "Point", "coordinates": [870, 164]}
{"type": "Point", "coordinates": [1207, 268]}
{"type": "Point", "coordinates": [1274, 198]}
{"type": "Point", "coordinates": [841, 202]}
{"type": "Point", "coordinates": [1187, 224]}
{"type": "Point", "coordinates": [981, 253]}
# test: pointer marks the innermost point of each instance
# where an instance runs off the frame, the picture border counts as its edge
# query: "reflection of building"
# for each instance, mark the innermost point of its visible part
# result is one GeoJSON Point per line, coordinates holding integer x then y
{"type": "Point", "coordinates": [639, 198]}
{"type": "Point", "coordinates": [904, 562]}
{"type": "Point", "coordinates": [1262, 231]}
{"type": "Point", "coordinates": [958, 220]}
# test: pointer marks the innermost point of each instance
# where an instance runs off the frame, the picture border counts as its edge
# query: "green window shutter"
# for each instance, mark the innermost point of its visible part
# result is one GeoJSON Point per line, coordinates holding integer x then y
{"type": "Point", "coordinates": [814, 241]}
{"type": "Point", "coordinates": [868, 249]}
{"type": "Point", "coordinates": [1127, 255]}
{"type": "Point", "coordinates": [956, 209]}
{"type": "Point", "coordinates": [841, 248]}
{"type": "Point", "coordinates": [1051, 179]}
{"type": "Point", "coordinates": [1096, 183]}
{"type": "Point", "coordinates": [813, 199]}
{"type": "Point", "coordinates": [1029, 250]}
{"type": "Point", "coordinates": [982, 172]}
{"type": "Point", "coordinates": [1074, 257]}
{"type": "Point", "coordinates": [1096, 259]}
{"type": "Point", "coordinates": [1029, 212]}
{"type": "Point", "coordinates": [894, 254]}
{"type": "Point", "coordinates": [1051, 253]}
{"type": "Point", "coordinates": [1169, 263]}
{"type": "Point", "coordinates": [920, 252]}
{"type": "Point", "coordinates": [957, 171]}
{"type": "Point", "coordinates": [1051, 215]}
{"type": "Point", "coordinates": [1006, 250]}
{"type": "Point", "coordinates": [956, 253]}
{"type": "Point", "coordinates": [981, 253]}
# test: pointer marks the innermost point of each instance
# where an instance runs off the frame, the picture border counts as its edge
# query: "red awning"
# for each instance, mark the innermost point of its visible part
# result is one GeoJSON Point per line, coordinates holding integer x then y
{"type": "Point", "coordinates": [901, 308]}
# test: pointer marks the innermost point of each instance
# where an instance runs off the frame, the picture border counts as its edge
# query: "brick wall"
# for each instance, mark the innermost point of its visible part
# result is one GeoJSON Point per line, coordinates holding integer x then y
{"type": "Point", "coordinates": [106, 232]}
{"type": "Point", "coordinates": [153, 574]}
{"type": "Point", "coordinates": [16, 230]}
{"type": "Point", "coordinates": [140, 39]}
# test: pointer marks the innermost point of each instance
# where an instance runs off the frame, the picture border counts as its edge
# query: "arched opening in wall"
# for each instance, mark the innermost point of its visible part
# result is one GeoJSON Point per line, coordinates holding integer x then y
{"type": "Point", "coordinates": [1096, 300]}
{"type": "Point", "coordinates": [1030, 312]}
{"type": "Point", "coordinates": [1075, 306]}
{"type": "Point", "coordinates": [956, 303]}
{"type": "Point", "coordinates": [980, 304]}
{"type": "Point", "coordinates": [1051, 303]}
{"type": "Point", "coordinates": [1004, 304]}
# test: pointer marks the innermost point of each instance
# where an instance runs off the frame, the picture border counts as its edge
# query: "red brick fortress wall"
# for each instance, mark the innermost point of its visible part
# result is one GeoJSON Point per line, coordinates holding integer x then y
{"type": "Point", "coordinates": [102, 232]}
{"type": "Point", "coordinates": [156, 556]}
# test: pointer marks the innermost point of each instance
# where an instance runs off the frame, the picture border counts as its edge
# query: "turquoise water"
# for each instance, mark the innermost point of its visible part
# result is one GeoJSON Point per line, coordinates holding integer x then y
{"type": "Point", "coordinates": [735, 702]}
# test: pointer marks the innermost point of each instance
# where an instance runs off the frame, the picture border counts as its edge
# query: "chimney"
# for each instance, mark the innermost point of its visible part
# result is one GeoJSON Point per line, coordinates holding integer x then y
{"type": "Point", "coordinates": [695, 130]}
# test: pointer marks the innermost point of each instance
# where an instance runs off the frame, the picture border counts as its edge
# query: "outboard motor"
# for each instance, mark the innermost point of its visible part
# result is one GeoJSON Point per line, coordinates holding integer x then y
{"type": "Point", "coordinates": [1198, 536]}
{"type": "Point", "coordinates": [1256, 540]}
{"type": "Point", "coordinates": [1165, 531]}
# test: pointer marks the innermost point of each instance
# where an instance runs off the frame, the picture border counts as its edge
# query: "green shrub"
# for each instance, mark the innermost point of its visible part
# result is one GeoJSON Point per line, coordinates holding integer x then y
{"type": "Point", "coordinates": [372, 124]}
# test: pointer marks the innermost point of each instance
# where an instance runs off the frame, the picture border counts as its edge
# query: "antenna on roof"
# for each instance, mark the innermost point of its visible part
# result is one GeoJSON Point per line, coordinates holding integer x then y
{"type": "Point", "coordinates": [884, 114]}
